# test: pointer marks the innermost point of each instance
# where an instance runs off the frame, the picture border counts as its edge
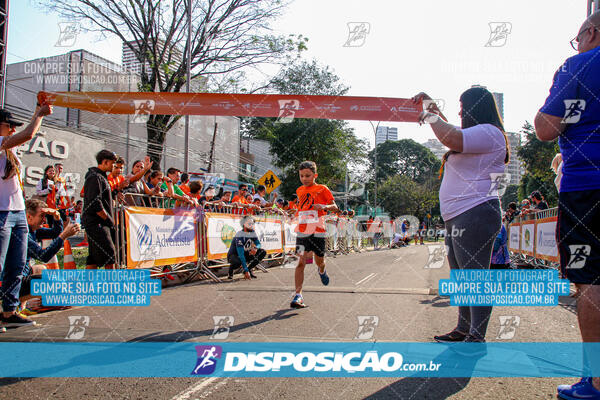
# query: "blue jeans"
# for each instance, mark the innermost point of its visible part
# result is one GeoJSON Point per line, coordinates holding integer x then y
{"type": "Point", "coordinates": [13, 253]}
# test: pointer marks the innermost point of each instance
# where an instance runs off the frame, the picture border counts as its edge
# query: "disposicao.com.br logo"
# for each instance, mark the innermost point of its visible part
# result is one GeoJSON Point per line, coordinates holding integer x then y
{"type": "Point", "coordinates": [303, 362]}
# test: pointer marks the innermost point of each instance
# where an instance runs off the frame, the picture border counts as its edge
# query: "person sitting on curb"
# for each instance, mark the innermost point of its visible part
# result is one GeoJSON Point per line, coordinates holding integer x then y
{"type": "Point", "coordinates": [36, 212]}
{"type": "Point", "coordinates": [245, 249]}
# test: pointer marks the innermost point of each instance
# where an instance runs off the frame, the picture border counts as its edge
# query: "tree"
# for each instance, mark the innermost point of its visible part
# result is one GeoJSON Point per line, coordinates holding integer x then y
{"type": "Point", "coordinates": [331, 144]}
{"type": "Point", "coordinates": [302, 77]}
{"type": "Point", "coordinates": [510, 195]}
{"type": "Point", "coordinates": [228, 37]}
{"type": "Point", "coordinates": [401, 195]}
{"type": "Point", "coordinates": [404, 157]}
{"type": "Point", "coordinates": [537, 156]}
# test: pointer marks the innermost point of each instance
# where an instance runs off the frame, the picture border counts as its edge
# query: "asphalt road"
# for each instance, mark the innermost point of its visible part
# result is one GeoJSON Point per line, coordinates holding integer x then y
{"type": "Point", "coordinates": [394, 285]}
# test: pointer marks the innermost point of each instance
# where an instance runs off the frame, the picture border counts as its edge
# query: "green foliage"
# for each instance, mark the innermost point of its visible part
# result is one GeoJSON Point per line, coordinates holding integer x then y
{"type": "Point", "coordinates": [537, 156]}
{"type": "Point", "coordinates": [511, 194]}
{"type": "Point", "coordinates": [331, 144]}
{"type": "Point", "coordinates": [404, 157]}
{"type": "Point", "coordinates": [401, 195]}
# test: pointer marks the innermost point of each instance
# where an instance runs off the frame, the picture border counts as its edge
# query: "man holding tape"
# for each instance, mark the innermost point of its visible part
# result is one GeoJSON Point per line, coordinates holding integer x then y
{"type": "Point", "coordinates": [571, 113]}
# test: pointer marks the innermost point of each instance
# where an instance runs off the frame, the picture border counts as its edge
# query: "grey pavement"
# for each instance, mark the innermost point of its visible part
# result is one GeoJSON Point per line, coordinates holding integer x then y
{"type": "Point", "coordinates": [394, 285]}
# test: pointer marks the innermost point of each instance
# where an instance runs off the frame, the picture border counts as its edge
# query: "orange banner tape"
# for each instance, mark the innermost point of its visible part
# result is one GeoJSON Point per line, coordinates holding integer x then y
{"type": "Point", "coordinates": [240, 105]}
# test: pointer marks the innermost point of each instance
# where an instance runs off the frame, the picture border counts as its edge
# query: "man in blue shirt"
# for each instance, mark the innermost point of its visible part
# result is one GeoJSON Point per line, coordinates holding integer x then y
{"type": "Point", "coordinates": [245, 249]}
{"type": "Point", "coordinates": [571, 113]}
{"type": "Point", "coordinates": [36, 212]}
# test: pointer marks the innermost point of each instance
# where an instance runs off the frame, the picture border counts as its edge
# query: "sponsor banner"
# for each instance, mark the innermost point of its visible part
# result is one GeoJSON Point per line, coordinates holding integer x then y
{"type": "Point", "coordinates": [545, 239]}
{"type": "Point", "coordinates": [514, 237]}
{"type": "Point", "coordinates": [157, 236]}
{"type": "Point", "coordinates": [528, 238]}
{"type": "Point", "coordinates": [289, 229]}
{"type": "Point", "coordinates": [221, 229]}
{"type": "Point", "coordinates": [285, 107]}
{"type": "Point", "coordinates": [298, 359]}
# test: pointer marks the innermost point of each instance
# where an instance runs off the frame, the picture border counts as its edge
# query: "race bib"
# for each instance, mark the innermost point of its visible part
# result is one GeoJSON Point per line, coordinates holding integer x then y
{"type": "Point", "coordinates": [308, 217]}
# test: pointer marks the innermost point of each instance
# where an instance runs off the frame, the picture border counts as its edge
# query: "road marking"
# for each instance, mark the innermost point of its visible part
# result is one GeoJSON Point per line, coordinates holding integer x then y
{"type": "Point", "coordinates": [366, 278]}
{"type": "Point", "coordinates": [328, 289]}
{"type": "Point", "coordinates": [186, 394]}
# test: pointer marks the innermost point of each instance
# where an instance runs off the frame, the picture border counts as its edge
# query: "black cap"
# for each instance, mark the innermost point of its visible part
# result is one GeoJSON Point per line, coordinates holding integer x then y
{"type": "Point", "coordinates": [5, 116]}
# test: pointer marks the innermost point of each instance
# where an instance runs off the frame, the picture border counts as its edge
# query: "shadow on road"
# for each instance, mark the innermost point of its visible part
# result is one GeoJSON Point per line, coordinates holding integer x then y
{"type": "Point", "coordinates": [417, 387]}
{"type": "Point", "coordinates": [437, 301]}
{"type": "Point", "coordinates": [186, 335]}
{"type": "Point", "coordinates": [421, 388]}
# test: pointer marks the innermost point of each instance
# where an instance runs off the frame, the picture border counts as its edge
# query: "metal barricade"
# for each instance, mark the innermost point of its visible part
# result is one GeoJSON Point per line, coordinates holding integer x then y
{"type": "Point", "coordinates": [525, 259]}
{"type": "Point", "coordinates": [191, 269]}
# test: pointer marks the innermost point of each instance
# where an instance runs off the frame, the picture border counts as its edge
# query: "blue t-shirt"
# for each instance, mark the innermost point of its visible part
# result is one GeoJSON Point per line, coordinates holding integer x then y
{"type": "Point", "coordinates": [575, 96]}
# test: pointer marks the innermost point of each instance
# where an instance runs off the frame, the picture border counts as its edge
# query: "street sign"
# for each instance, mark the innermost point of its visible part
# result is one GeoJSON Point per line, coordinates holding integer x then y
{"type": "Point", "coordinates": [270, 181]}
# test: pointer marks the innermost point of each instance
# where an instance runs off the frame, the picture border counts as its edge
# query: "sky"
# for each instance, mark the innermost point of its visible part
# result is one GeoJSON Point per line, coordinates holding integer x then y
{"type": "Point", "coordinates": [435, 46]}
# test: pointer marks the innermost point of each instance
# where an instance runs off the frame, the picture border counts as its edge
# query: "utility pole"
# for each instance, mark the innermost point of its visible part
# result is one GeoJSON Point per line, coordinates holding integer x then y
{"type": "Point", "coordinates": [187, 85]}
{"type": "Point", "coordinates": [592, 6]}
{"type": "Point", "coordinates": [212, 149]}
{"type": "Point", "coordinates": [4, 4]}
{"type": "Point", "coordinates": [375, 135]}
{"type": "Point", "coordinates": [346, 191]}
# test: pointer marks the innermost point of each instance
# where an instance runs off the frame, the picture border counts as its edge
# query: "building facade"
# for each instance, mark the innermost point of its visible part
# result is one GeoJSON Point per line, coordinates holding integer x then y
{"type": "Point", "coordinates": [515, 166]}
{"type": "Point", "coordinates": [81, 70]}
{"type": "Point", "coordinates": [385, 133]}
{"type": "Point", "coordinates": [436, 147]}
{"type": "Point", "coordinates": [256, 159]}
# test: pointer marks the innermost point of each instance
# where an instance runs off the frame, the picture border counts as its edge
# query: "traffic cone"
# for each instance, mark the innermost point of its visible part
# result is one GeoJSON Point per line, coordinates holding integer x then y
{"type": "Point", "coordinates": [68, 260]}
{"type": "Point", "coordinates": [53, 263]}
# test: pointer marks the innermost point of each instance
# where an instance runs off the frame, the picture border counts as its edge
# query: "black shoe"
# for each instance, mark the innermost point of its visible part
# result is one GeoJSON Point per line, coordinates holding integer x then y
{"type": "Point", "coordinates": [230, 277]}
{"type": "Point", "coordinates": [16, 320]}
{"type": "Point", "coordinates": [477, 347]}
{"type": "Point", "coordinates": [454, 336]}
{"type": "Point", "coordinates": [252, 275]}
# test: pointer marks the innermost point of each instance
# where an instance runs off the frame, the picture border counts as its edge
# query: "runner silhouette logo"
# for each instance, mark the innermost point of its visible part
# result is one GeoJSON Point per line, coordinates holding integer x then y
{"type": "Point", "coordinates": [207, 359]}
{"type": "Point", "coordinates": [573, 110]}
{"type": "Point", "coordinates": [579, 255]}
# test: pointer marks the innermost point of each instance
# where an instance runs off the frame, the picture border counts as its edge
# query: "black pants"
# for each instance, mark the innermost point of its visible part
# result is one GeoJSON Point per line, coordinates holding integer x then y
{"type": "Point", "coordinates": [251, 260]}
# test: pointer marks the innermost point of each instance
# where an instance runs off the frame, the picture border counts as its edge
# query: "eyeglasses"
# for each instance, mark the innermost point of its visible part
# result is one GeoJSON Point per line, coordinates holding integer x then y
{"type": "Point", "coordinates": [575, 42]}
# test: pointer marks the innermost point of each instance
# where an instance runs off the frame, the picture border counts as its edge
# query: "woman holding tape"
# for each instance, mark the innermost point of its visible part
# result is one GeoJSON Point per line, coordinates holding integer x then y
{"type": "Point", "coordinates": [469, 200]}
{"type": "Point", "coordinates": [13, 222]}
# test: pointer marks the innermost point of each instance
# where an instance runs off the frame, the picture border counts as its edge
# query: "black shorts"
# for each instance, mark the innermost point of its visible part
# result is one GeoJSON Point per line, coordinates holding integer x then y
{"type": "Point", "coordinates": [101, 246]}
{"type": "Point", "coordinates": [578, 236]}
{"type": "Point", "coordinates": [313, 243]}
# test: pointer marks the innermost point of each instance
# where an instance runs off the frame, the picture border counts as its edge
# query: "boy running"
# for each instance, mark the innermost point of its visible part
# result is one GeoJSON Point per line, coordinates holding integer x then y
{"type": "Point", "coordinates": [314, 201]}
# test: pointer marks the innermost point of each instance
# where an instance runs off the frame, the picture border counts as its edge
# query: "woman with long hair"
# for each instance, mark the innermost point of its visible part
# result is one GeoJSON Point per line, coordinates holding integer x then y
{"type": "Point", "coordinates": [469, 200]}
{"type": "Point", "coordinates": [13, 222]}
{"type": "Point", "coordinates": [45, 187]}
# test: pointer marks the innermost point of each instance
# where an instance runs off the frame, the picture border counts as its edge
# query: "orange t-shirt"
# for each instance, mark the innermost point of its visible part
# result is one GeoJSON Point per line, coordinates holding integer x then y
{"type": "Point", "coordinates": [115, 182]}
{"type": "Point", "coordinates": [239, 199]}
{"type": "Point", "coordinates": [309, 220]}
{"type": "Point", "coordinates": [61, 198]}
{"type": "Point", "coordinates": [185, 188]}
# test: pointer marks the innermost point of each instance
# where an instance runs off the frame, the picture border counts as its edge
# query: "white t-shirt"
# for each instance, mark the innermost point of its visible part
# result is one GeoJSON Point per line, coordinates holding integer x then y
{"type": "Point", "coordinates": [468, 175]}
{"type": "Point", "coordinates": [11, 195]}
{"type": "Point", "coordinates": [262, 199]}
